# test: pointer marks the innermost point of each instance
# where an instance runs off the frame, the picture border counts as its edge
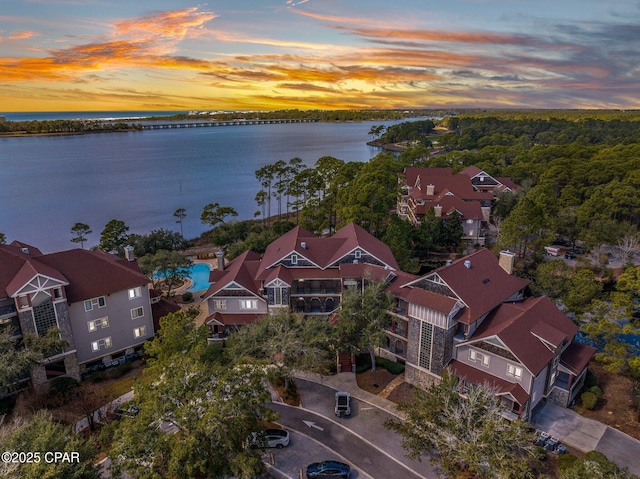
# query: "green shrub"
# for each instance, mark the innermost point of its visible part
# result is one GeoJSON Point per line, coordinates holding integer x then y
{"type": "Point", "coordinates": [589, 400]}
{"type": "Point", "coordinates": [363, 363]}
{"type": "Point", "coordinates": [596, 390]}
{"type": "Point", "coordinates": [98, 376]}
{"type": "Point", "coordinates": [119, 370]}
{"type": "Point", "coordinates": [590, 380]}
{"type": "Point", "coordinates": [566, 461]}
{"type": "Point", "coordinates": [391, 366]}
{"type": "Point", "coordinates": [62, 385]}
{"type": "Point", "coordinates": [186, 297]}
{"type": "Point", "coordinates": [596, 456]}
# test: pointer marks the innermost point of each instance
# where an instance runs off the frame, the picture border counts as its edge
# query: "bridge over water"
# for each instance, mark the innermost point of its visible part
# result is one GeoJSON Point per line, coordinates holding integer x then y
{"type": "Point", "coordinates": [201, 123]}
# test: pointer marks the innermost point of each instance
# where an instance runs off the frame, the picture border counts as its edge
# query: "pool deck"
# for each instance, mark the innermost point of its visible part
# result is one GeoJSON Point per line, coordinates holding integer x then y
{"type": "Point", "coordinates": [196, 295]}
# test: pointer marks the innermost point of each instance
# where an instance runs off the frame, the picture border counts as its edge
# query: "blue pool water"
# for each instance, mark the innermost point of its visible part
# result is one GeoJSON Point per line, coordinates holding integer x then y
{"type": "Point", "coordinates": [199, 274]}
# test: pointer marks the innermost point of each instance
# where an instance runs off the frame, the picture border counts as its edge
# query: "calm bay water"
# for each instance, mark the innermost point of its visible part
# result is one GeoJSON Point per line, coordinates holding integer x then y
{"type": "Point", "coordinates": [49, 183]}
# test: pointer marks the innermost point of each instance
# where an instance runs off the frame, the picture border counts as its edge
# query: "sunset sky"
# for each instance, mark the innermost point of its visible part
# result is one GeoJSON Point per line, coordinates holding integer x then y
{"type": "Point", "coordinates": [83, 55]}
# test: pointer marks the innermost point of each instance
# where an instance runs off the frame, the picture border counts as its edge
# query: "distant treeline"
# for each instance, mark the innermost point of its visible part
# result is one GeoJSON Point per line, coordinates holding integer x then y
{"type": "Point", "coordinates": [63, 127]}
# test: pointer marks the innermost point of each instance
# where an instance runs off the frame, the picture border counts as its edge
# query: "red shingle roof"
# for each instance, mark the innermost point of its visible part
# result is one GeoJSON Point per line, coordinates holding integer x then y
{"type": "Point", "coordinates": [483, 286]}
{"type": "Point", "coordinates": [480, 378]}
{"type": "Point", "coordinates": [522, 327]}
{"type": "Point", "coordinates": [94, 273]}
{"type": "Point", "coordinates": [18, 268]}
{"type": "Point", "coordinates": [576, 357]}
{"type": "Point", "coordinates": [242, 270]}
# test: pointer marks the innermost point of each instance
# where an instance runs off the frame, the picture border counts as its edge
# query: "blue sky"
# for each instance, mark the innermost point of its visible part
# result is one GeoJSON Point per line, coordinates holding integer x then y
{"type": "Point", "coordinates": [72, 55]}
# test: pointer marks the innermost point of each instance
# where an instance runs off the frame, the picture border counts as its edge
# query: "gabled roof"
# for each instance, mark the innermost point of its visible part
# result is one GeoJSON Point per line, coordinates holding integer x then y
{"type": "Point", "coordinates": [94, 273]}
{"type": "Point", "coordinates": [324, 252]}
{"type": "Point", "coordinates": [482, 287]}
{"type": "Point", "coordinates": [241, 270]}
{"type": "Point", "coordinates": [525, 327]}
{"type": "Point", "coordinates": [443, 181]}
{"type": "Point", "coordinates": [18, 268]}
{"type": "Point", "coordinates": [481, 378]}
{"type": "Point", "coordinates": [354, 237]}
{"type": "Point", "coordinates": [576, 357]}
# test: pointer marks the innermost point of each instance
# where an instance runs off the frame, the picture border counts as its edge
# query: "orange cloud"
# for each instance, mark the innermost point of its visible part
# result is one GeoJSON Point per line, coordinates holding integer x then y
{"type": "Point", "coordinates": [168, 25]}
{"type": "Point", "coordinates": [21, 35]}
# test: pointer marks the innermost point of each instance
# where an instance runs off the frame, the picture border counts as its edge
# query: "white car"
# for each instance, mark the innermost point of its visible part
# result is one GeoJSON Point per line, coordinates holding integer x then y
{"type": "Point", "coordinates": [277, 438]}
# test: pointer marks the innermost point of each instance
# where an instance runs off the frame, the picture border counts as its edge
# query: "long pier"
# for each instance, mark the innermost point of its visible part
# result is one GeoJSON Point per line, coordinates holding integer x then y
{"type": "Point", "coordinates": [203, 124]}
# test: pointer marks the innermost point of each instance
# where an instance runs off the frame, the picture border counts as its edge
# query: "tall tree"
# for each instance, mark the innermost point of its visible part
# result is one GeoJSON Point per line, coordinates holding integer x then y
{"type": "Point", "coordinates": [364, 318]}
{"type": "Point", "coordinates": [42, 435]}
{"type": "Point", "coordinates": [180, 214]}
{"type": "Point", "coordinates": [81, 230]}
{"type": "Point", "coordinates": [213, 214]}
{"type": "Point", "coordinates": [3, 238]}
{"type": "Point", "coordinates": [466, 433]}
{"type": "Point", "coordinates": [167, 267]}
{"type": "Point", "coordinates": [114, 237]}
{"type": "Point", "coordinates": [16, 359]}
{"type": "Point", "coordinates": [286, 340]}
{"type": "Point", "coordinates": [265, 176]}
{"type": "Point", "coordinates": [209, 409]}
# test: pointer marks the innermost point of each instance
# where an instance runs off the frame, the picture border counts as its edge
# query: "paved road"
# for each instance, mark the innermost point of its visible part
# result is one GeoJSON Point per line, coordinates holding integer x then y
{"type": "Point", "coordinates": [366, 425]}
{"type": "Point", "coordinates": [345, 444]}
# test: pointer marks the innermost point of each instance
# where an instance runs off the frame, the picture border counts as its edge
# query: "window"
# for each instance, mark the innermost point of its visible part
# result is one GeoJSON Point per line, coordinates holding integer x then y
{"type": "Point", "coordinates": [101, 343]}
{"type": "Point", "coordinates": [95, 303]}
{"type": "Point", "coordinates": [139, 332]}
{"type": "Point", "coordinates": [294, 259]}
{"type": "Point", "coordinates": [426, 339]}
{"type": "Point", "coordinates": [475, 356]}
{"type": "Point", "coordinates": [137, 312]}
{"type": "Point", "coordinates": [248, 304]}
{"type": "Point", "coordinates": [135, 292]}
{"type": "Point", "coordinates": [220, 304]}
{"type": "Point", "coordinates": [514, 371]}
{"type": "Point", "coordinates": [57, 293]}
{"type": "Point", "coordinates": [358, 254]}
{"type": "Point", "coordinates": [102, 322]}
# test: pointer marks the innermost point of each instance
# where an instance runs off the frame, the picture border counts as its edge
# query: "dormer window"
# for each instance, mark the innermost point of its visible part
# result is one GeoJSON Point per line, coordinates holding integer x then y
{"type": "Point", "coordinates": [294, 259]}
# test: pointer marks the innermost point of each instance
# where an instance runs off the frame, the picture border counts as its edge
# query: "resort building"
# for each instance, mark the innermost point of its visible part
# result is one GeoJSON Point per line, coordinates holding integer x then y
{"type": "Point", "coordinates": [470, 317]}
{"type": "Point", "coordinates": [469, 193]}
{"type": "Point", "coordinates": [298, 271]}
{"type": "Point", "coordinates": [99, 303]}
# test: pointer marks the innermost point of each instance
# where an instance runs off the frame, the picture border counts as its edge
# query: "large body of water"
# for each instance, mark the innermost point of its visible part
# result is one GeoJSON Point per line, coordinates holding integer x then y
{"type": "Point", "coordinates": [49, 183]}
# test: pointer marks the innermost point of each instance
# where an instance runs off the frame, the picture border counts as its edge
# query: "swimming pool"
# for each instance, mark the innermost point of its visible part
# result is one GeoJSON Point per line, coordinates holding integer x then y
{"type": "Point", "coordinates": [199, 274]}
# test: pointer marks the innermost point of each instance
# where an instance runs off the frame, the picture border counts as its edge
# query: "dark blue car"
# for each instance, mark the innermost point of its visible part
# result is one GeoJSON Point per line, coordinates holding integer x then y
{"type": "Point", "coordinates": [328, 470]}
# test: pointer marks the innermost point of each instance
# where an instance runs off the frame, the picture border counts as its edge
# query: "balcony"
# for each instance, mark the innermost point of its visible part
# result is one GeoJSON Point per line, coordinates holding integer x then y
{"type": "Point", "coordinates": [8, 311]}
{"type": "Point", "coordinates": [316, 287]}
{"type": "Point", "coordinates": [318, 305]}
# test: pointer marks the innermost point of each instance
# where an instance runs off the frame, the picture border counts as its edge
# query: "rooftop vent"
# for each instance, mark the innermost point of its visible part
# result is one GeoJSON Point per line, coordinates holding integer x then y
{"type": "Point", "coordinates": [485, 281]}
{"type": "Point", "coordinates": [467, 264]}
{"type": "Point", "coordinates": [25, 250]}
{"type": "Point", "coordinates": [303, 245]}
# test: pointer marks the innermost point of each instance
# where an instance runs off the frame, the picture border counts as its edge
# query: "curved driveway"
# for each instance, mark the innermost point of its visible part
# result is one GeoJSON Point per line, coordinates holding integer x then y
{"type": "Point", "coordinates": [360, 439]}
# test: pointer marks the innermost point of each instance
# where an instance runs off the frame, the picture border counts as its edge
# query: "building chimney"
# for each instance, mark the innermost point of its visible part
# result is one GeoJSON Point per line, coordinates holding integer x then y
{"type": "Point", "coordinates": [437, 209]}
{"type": "Point", "coordinates": [220, 258]}
{"type": "Point", "coordinates": [128, 253]}
{"type": "Point", "coordinates": [431, 189]}
{"type": "Point", "coordinates": [507, 260]}
{"type": "Point", "coordinates": [303, 245]}
{"type": "Point", "coordinates": [467, 264]}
